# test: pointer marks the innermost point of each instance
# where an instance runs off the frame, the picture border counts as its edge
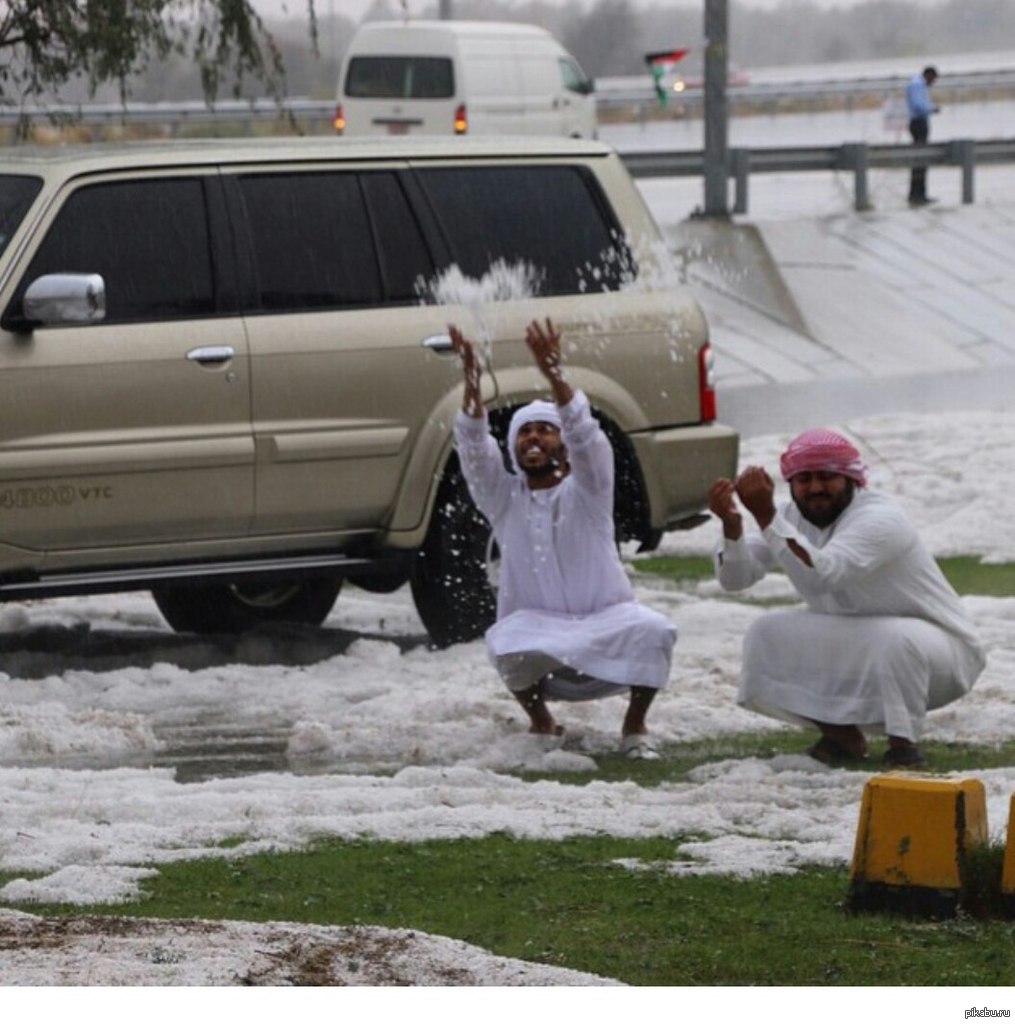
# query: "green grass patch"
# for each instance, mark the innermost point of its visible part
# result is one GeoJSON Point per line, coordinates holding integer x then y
{"type": "Point", "coordinates": [966, 574]}
{"type": "Point", "coordinates": [680, 759]}
{"type": "Point", "coordinates": [971, 576]}
{"type": "Point", "coordinates": [570, 904]}
{"type": "Point", "coordinates": [679, 569]}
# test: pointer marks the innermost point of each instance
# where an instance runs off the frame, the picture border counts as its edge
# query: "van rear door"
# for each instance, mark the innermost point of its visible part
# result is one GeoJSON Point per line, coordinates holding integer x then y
{"type": "Point", "coordinates": [398, 94]}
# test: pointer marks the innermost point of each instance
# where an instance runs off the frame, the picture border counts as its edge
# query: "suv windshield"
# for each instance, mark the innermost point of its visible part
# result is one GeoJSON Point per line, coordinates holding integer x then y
{"type": "Point", "coordinates": [16, 194]}
{"type": "Point", "coordinates": [400, 78]}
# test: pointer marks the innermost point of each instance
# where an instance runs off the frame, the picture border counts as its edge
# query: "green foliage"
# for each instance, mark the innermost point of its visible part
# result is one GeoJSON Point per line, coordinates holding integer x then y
{"type": "Point", "coordinates": [44, 44]}
{"type": "Point", "coordinates": [981, 881]}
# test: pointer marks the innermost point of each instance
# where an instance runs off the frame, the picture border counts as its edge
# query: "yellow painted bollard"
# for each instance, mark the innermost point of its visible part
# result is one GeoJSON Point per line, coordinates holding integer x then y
{"type": "Point", "coordinates": [1008, 871]}
{"type": "Point", "coordinates": [912, 843]}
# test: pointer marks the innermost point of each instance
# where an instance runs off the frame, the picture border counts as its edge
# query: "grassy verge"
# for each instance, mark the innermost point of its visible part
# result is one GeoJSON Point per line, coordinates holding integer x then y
{"type": "Point", "coordinates": [967, 575]}
{"type": "Point", "coordinates": [570, 904]}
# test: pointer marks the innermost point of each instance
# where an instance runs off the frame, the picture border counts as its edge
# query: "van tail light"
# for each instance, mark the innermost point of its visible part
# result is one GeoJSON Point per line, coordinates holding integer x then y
{"type": "Point", "coordinates": [461, 120]}
{"type": "Point", "coordinates": [339, 119]}
{"type": "Point", "coordinates": [706, 383]}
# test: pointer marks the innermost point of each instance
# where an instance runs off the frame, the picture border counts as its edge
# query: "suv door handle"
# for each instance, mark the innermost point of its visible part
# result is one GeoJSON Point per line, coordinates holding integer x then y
{"type": "Point", "coordinates": [440, 343]}
{"type": "Point", "coordinates": [211, 355]}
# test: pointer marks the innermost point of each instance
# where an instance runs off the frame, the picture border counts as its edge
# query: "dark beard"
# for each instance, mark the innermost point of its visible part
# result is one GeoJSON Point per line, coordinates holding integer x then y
{"type": "Point", "coordinates": [823, 519]}
{"type": "Point", "coordinates": [550, 468]}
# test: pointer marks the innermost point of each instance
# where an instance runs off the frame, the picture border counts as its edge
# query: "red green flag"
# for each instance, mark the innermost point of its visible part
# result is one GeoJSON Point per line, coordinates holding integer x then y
{"type": "Point", "coordinates": [661, 64]}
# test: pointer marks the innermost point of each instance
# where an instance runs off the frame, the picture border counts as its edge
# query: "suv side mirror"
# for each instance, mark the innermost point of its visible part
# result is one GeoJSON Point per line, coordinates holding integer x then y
{"type": "Point", "coordinates": [60, 299]}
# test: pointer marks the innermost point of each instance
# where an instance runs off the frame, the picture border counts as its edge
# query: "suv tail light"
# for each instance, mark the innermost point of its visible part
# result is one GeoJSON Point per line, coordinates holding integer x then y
{"type": "Point", "coordinates": [461, 120]}
{"type": "Point", "coordinates": [339, 120]}
{"type": "Point", "coordinates": [706, 383]}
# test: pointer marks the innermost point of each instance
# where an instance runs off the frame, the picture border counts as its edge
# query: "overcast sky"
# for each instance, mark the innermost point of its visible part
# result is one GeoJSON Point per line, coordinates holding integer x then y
{"type": "Point", "coordinates": [355, 9]}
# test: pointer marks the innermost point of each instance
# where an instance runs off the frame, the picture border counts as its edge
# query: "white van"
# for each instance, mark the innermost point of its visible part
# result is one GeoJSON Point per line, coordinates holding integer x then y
{"type": "Point", "coordinates": [458, 77]}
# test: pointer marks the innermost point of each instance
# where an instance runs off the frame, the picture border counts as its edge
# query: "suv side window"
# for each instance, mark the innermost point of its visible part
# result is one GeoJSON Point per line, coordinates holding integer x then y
{"type": "Point", "coordinates": [16, 194]}
{"type": "Point", "coordinates": [332, 240]}
{"type": "Point", "coordinates": [404, 256]}
{"type": "Point", "coordinates": [553, 218]}
{"type": "Point", "coordinates": [149, 240]}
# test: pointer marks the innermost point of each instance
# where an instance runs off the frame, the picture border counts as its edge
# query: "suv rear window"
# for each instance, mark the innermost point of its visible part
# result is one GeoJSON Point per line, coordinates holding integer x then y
{"type": "Point", "coordinates": [400, 78]}
{"type": "Point", "coordinates": [553, 218]}
{"type": "Point", "coordinates": [16, 194]}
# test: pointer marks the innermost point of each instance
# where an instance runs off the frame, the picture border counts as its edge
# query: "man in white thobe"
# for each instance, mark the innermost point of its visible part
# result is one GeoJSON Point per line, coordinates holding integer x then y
{"type": "Point", "coordinates": [568, 626]}
{"type": "Point", "coordinates": [884, 637]}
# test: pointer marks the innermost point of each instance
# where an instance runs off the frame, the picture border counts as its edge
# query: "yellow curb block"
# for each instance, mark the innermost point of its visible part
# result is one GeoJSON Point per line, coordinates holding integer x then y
{"type": "Point", "coordinates": [912, 841]}
{"type": "Point", "coordinates": [1008, 871]}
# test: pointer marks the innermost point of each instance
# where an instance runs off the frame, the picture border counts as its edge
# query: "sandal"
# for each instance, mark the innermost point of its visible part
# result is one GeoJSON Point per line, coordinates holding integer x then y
{"type": "Point", "coordinates": [827, 751]}
{"type": "Point", "coordinates": [639, 747]}
{"type": "Point", "coordinates": [546, 742]}
{"type": "Point", "coordinates": [904, 757]}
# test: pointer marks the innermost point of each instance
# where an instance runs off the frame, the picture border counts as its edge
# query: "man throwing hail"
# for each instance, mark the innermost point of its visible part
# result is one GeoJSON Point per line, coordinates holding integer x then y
{"type": "Point", "coordinates": [568, 626]}
{"type": "Point", "coordinates": [884, 637]}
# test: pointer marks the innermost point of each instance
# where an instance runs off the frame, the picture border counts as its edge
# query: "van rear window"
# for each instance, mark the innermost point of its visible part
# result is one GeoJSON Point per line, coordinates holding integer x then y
{"type": "Point", "coordinates": [400, 78]}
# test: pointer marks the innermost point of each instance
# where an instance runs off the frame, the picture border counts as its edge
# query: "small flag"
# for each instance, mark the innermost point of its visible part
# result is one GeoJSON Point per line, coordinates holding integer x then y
{"type": "Point", "coordinates": [661, 64]}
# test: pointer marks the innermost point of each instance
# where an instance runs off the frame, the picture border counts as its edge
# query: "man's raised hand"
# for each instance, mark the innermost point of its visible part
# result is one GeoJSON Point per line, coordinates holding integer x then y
{"type": "Point", "coordinates": [756, 490]}
{"type": "Point", "coordinates": [544, 344]}
{"type": "Point", "coordinates": [472, 399]}
{"type": "Point", "coordinates": [722, 503]}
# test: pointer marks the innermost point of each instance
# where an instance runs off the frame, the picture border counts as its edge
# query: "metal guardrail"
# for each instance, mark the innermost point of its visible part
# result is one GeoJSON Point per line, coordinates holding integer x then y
{"type": "Point", "coordinates": [173, 115]}
{"type": "Point", "coordinates": [857, 157]}
{"type": "Point", "coordinates": [611, 93]}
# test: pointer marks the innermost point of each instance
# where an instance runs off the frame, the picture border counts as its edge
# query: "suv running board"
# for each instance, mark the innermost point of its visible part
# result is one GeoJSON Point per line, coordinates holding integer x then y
{"type": "Point", "coordinates": [144, 578]}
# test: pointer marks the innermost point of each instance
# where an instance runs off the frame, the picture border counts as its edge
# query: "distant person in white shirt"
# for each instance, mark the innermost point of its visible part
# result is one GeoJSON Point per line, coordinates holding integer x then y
{"type": "Point", "coordinates": [568, 626]}
{"type": "Point", "coordinates": [920, 106]}
{"type": "Point", "coordinates": [884, 636]}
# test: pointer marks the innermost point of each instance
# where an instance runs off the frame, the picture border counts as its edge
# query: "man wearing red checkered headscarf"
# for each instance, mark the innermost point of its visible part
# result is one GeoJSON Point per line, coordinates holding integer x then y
{"type": "Point", "coordinates": [884, 637]}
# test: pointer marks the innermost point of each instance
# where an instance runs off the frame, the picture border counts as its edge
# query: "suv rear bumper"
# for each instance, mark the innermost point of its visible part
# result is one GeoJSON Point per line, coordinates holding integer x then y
{"type": "Point", "coordinates": [679, 465]}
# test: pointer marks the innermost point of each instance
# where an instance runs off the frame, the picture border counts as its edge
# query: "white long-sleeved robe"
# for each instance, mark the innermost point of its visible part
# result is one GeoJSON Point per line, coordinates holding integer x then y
{"type": "Point", "coordinates": [563, 592]}
{"type": "Point", "coordinates": [884, 638]}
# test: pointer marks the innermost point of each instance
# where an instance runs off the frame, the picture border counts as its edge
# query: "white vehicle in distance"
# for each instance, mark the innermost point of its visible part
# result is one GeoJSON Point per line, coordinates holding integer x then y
{"type": "Point", "coordinates": [462, 77]}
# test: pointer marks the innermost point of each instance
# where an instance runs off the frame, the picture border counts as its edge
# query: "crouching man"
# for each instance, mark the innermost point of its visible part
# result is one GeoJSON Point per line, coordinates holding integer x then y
{"type": "Point", "coordinates": [568, 626]}
{"type": "Point", "coordinates": [884, 637]}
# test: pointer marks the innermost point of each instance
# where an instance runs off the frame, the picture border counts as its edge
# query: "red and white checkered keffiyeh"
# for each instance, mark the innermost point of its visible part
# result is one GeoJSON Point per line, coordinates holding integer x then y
{"type": "Point", "coordinates": [823, 451]}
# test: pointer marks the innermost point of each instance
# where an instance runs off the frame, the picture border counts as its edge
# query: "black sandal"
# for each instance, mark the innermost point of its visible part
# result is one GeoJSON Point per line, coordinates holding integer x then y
{"type": "Point", "coordinates": [827, 751]}
{"type": "Point", "coordinates": [903, 757]}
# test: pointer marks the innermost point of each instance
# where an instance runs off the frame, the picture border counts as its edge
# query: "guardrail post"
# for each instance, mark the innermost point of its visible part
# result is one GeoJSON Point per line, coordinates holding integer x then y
{"type": "Point", "coordinates": [740, 163]}
{"type": "Point", "coordinates": [965, 156]}
{"type": "Point", "coordinates": [855, 156]}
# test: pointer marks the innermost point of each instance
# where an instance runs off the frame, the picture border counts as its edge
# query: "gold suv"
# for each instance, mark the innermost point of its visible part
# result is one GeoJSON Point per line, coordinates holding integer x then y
{"type": "Point", "coordinates": [226, 375]}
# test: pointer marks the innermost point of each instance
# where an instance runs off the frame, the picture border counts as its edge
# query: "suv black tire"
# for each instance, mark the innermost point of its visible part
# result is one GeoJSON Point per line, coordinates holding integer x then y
{"type": "Point", "coordinates": [450, 576]}
{"type": "Point", "coordinates": [236, 608]}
